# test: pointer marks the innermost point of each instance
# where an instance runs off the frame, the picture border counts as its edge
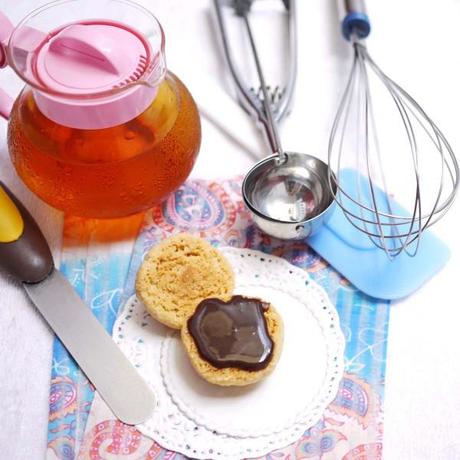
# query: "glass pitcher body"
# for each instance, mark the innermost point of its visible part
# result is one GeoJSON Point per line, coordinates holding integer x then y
{"type": "Point", "coordinates": [108, 172]}
{"type": "Point", "coordinates": [101, 128]}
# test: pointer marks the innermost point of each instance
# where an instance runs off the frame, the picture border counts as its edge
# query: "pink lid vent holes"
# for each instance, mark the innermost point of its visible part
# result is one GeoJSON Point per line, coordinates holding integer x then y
{"type": "Point", "coordinates": [140, 69]}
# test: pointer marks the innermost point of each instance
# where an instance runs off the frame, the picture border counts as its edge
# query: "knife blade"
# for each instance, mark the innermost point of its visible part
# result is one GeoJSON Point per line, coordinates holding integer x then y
{"type": "Point", "coordinates": [116, 380]}
{"type": "Point", "coordinates": [25, 254]}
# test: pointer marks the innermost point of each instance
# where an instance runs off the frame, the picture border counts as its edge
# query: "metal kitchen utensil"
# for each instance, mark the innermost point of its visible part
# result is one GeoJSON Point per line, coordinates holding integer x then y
{"type": "Point", "coordinates": [357, 139]}
{"type": "Point", "coordinates": [287, 193]}
{"type": "Point", "coordinates": [25, 255]}
{"type": "Point", "coordinates": [289, 200]}
{"type": "Point", "coordinates": [251, 99]}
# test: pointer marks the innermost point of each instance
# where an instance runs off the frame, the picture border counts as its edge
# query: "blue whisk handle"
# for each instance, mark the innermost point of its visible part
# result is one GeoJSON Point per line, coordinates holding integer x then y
{"type": "Point", "coordinates": [355, 19]}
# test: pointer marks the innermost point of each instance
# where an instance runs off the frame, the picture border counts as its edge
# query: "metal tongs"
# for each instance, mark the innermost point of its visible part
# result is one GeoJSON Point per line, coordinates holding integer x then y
{"type": "Point", "coordinates": [251, 99]}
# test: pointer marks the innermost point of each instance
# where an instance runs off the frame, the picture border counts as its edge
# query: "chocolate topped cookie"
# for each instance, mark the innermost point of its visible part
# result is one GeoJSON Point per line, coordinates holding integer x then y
{"type": "Point", "coordinates": [232, 333]}
{"type": "Point", "coordinates": [235, 342]}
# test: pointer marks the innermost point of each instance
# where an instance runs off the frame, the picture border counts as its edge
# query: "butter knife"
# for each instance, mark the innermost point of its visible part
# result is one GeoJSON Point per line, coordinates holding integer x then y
{"type": "Point", "coordinates": [25, 255]}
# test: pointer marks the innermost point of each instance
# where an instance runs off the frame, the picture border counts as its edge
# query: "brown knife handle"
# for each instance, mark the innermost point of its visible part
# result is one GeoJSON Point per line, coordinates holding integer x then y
{"type": "Point", "coordinates": [24, 252]}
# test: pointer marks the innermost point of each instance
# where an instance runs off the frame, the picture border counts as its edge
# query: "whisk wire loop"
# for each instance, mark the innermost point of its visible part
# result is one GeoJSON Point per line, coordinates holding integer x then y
{"type": "Point", "coordinates": [366, 207]}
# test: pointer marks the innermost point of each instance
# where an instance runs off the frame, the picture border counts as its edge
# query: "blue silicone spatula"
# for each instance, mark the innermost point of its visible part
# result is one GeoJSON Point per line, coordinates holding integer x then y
{"type": "Point", "coordinates": [367, 267]}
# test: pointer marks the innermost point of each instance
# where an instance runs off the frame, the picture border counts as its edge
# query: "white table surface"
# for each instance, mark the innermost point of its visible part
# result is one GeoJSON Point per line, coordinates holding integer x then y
{"type": "Point", "coordinates": [416, 42]}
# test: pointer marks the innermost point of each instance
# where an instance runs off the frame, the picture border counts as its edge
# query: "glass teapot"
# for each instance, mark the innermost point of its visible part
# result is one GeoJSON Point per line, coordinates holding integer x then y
{"type": "Point", "coordinates": [101, 128]}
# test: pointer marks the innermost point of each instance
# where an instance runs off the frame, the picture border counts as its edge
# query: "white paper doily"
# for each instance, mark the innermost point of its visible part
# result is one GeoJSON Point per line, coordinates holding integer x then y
{"type": "Point", "coordinates": [202, 420]}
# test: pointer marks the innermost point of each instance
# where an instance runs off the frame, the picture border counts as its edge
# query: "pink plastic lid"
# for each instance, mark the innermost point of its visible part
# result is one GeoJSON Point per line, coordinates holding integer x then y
{"type": "Point", "coordinates": [90, 58]}
{"type": "Point", "coordinates": [95, 74]}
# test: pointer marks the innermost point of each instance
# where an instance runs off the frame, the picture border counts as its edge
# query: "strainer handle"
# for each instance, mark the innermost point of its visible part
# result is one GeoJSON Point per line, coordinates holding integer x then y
{"type": "Point", "coordinates": [6, 104]}
{"type": "Point", "coordinates": [6, 28]}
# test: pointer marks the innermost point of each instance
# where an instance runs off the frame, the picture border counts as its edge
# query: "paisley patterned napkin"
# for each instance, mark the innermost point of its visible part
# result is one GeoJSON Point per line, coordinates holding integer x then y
{"type": "Point", "coordinates": [350, 428]}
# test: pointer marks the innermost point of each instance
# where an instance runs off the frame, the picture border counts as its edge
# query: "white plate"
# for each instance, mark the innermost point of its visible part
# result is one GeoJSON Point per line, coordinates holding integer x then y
{"type": "Point", "coordinates": [202, 420]}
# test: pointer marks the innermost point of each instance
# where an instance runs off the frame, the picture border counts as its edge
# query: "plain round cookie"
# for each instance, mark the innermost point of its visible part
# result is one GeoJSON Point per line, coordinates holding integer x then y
{"type": "Point", "coordinates": [232, 376]}
{"type": "Point", "coordinates": [178, 274]}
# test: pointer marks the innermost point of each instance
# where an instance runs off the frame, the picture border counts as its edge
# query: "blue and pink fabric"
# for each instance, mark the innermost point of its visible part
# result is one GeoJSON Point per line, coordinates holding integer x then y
{"type": "Point", "coordinates": [103, 272]}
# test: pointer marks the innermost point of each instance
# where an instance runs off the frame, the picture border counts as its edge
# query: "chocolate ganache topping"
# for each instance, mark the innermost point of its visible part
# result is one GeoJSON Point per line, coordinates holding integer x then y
{"type": "Point", "coordinates": [233, 333]}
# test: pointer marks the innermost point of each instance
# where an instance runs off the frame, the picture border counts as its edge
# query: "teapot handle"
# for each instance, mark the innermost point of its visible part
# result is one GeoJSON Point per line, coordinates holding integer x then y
{"type": "Point", "coordinates": [6, 28]}
{"type": "Point", "coordinates": [6, 104]}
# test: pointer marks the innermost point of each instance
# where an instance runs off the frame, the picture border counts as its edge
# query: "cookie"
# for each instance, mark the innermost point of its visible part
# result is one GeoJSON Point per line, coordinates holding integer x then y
{"type": "Point", "coordinates": [230, 348]}
{"type": "Point", "coordinates": [178, 274]}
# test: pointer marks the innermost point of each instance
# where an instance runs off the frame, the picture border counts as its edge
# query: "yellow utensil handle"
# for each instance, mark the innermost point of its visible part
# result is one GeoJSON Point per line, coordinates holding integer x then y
{"type": "Point", "coordinates": [11, 223]}
{"type": "Point", "coordinates": [24, 252]}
